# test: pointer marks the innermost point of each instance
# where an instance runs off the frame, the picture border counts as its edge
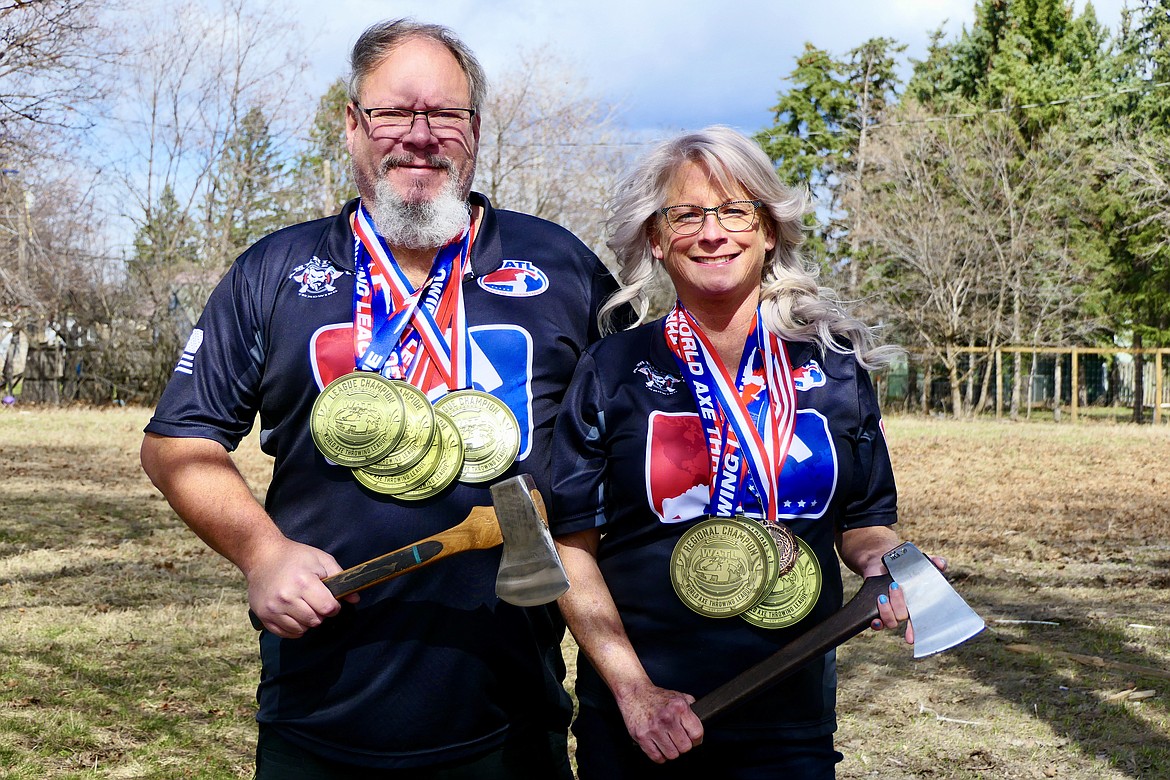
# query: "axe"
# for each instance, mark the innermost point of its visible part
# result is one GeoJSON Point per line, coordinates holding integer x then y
{"type": "Point", "coordinates": [941, 620]}
{"type": "Point", "coordinates": [530, 570]}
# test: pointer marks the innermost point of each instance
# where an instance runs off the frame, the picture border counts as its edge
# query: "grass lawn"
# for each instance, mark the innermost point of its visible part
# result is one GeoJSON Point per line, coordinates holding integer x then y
{"type": "Point", "coordinates": [125, 650]}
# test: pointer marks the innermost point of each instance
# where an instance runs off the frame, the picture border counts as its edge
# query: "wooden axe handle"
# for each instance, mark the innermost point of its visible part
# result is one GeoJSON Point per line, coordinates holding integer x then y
{"type": "Point", "coordinates": [842, 625]}
{"type": "Point", "coordinates": [479, 531]}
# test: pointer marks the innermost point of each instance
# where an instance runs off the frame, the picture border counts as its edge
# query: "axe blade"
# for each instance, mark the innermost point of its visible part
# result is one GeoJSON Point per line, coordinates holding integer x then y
{"type": "Point", "coordinates": [941, 618]}
{"type": "Point", "coordinates": [530, 572]}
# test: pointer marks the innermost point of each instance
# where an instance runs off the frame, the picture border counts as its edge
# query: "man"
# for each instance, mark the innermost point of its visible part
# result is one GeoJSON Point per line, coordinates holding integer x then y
{"type": "Point", "coordinates": [427, 675]}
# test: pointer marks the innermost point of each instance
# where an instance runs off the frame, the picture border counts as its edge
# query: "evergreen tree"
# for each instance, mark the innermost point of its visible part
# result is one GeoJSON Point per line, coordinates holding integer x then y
{"type": "Point", "coordinates": [1003, 90]}
{"type": "Point", "coordinates": [243, 203]}
{"type": "Point", "coordinates": [159, 274]}
{"type": "Point", "coordinates": [321, 175]}
{"type": "Point", "coordinates": [1132, 201]}
{"type": "Point", "coordinates": [820, 134]}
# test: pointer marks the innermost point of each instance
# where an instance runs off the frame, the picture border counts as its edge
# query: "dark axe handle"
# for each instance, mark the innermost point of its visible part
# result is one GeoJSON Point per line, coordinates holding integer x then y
{"type": "Point", "coordinates": [479, 531]}
{"type": "Point", "coordinates": [842, 625]}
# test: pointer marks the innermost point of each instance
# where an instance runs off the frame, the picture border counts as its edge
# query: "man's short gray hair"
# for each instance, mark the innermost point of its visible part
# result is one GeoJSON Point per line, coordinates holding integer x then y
{"type": "Point", "coordinates": [379, 41]}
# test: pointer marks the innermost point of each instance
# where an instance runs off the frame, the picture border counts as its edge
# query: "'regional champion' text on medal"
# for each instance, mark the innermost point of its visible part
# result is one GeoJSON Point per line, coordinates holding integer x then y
{"type": "Point", "coordinates": [720, 566]}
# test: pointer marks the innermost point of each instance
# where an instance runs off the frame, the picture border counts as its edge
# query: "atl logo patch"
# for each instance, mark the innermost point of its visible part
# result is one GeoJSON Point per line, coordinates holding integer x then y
{"type": "Point", "coordinates": [516, 279]}
{"type": "Point", "coordinates": [316, 278]}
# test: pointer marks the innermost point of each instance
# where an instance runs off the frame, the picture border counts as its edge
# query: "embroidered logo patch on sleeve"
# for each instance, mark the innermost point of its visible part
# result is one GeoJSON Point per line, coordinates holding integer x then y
{"type": "Point", "coordinates": [187, 359]}
{"type": "Point", "coordinates": [515, 279]}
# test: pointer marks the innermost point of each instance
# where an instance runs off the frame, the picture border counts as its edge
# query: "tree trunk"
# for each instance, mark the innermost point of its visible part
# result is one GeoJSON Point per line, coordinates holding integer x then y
{"type": "Point", "coordinates": [927, 386]}
{"type": "Point", "coordinates": [955, 383]}
{"type": "Point", "coordinates": [911, 385]}
{"type": "Point", "coordinates": [1139, 389]}
{"type": "Point", "coordinates": [1114, 378]}
{"type": "Point", "coordinates": [1057, 387]}
{"type": "Point", "coordinates": [1031, 388]}
{"type": "Point", "coordinates": [1017, 383]}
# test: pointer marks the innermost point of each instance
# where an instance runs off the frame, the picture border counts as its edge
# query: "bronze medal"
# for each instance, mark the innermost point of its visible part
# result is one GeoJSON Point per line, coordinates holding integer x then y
{"type": "Point", "coordinates": [418, 432]}
{"type": "Point", "coordinates": [450, 461]}
{"type": "Point", "coordinates": [357, 419]}
{"type": "Point", "coordinates": [785, 545]}
{"type": "Point", "coordinates": [489, 430]}
{"type": "Point", "coordinates": [793, 596]}
{"type": "Point", "coordinates": [720, 566]}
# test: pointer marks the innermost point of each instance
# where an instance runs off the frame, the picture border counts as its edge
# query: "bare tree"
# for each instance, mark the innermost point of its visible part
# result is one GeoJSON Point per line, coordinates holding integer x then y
{"type": "Point", "coordinates": [203, 81]}
{"type": "Point", "coordinates": [53, 55]}
{"type": "Point", "coordinates": [931, 260]}
{"type": "Point", "coordinates": [549, 147]}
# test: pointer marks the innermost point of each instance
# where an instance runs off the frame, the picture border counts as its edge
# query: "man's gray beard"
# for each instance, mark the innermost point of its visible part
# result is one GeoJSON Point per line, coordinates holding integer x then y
{"type": "Point", "coordinates": [426, 225]}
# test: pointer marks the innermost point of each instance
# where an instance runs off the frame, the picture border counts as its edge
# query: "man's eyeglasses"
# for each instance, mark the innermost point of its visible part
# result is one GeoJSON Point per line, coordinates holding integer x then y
{"type": "Point", "coordinates": [399, 121]}
{"type": "Point", "coordinates": [735, 216]}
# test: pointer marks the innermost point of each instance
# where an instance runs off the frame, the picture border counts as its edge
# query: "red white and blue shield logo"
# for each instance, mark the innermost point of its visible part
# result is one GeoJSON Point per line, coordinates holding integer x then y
{"type": "Point", "coordinates": [515, 279]}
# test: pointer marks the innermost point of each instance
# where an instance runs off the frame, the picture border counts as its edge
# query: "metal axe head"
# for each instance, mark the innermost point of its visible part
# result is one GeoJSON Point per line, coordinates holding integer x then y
{"type": "Point", "coordinates": [530, 569]}
{"type": "Point", "coordinates": [941, 618]}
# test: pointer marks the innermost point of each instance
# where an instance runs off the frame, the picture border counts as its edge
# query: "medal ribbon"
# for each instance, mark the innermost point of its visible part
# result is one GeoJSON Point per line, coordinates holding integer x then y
{"type": "Point", "coordinates": [417, 335]}
{"type": "Point", "coordinates": [737, 439]}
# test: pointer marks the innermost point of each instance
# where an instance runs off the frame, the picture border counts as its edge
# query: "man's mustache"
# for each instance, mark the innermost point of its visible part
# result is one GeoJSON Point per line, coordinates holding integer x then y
{"type": "Point", "coordinates": [390, 162]}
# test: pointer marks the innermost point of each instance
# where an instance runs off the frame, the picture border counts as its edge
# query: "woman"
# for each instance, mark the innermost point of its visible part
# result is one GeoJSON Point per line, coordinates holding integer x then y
{"type": "Point", "coordinates": [747, 409]}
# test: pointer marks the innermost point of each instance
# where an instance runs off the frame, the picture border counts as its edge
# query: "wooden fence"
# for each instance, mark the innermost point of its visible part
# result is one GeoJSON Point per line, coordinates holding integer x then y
{"type": "Point", "coordinates": [1067, 379]}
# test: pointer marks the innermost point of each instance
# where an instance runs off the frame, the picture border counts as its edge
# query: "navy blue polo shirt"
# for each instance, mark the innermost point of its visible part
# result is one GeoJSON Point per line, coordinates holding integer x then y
{"type": "Point", "coordinates": [430, 666]}
{"type": "Point", "coordinates": [630, 458]}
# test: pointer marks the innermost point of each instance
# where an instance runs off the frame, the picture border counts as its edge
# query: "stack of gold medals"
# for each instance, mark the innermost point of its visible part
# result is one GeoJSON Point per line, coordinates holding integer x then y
{"type": "Point", "coordinates": [728, 566]}
{"type": "Point", "coordinates": [397, 443]}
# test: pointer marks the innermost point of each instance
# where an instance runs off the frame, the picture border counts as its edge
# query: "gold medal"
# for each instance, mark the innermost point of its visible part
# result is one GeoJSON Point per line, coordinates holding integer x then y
{"type": "Point", "coordinates": [357, 419]}
{"type": "Point", "coordinates": [418, 432]}
{"type": "Point", "coordinates": [793, 596]}
{"type": "Point", "coordinates": [396, 483]}
{"type": "Point", "coordinates": [450, 461]}
{"type": "Point", "coordinates": [489, 430]}
{"type": "Point", "coordinates": [720, 566]}
{"type": "Point", "coordinates": [771, 553]}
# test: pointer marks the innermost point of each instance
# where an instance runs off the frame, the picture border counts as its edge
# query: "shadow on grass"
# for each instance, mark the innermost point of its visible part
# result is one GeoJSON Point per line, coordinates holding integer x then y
{"type": "Point", "coordinates": [105, 585]}
{"type": "Point", "coordinates": [77, 709]}
{"type": "Point", "coordinates": [70, 518]}
{"type": "Point", "coordinates": [1071, 697]}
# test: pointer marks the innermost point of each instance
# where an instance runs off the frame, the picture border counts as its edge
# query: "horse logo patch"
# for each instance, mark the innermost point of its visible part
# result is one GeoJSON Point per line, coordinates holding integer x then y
{"type": "Point", "coordinates": [515, 279]}
{"type": "Point", "coordinates": [658, 381]}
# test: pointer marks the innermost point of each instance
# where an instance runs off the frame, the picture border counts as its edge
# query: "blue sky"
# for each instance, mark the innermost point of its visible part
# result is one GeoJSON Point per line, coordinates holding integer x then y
{"type": "Point", "coordinates": [631, 52]}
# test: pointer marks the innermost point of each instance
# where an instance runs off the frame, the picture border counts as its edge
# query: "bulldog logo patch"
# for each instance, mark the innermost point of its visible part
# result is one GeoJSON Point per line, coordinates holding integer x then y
{"type": "Point", "coordinates": [316, 278]}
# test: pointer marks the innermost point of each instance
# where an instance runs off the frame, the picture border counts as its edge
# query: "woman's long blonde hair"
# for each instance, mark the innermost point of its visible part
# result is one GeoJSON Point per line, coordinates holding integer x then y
{"type": "Point", "coordinates": [792, 304]}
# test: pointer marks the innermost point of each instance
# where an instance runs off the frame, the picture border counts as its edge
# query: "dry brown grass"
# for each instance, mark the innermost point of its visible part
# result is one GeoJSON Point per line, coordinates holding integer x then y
{"type": "Point", "coordinates": [125, 651]}
{"type": "Point", "coordinates": [1065, 526]}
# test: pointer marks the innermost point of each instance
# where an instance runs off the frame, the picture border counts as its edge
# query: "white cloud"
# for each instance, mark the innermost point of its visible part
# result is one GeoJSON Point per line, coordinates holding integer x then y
{"type": "Point", "coordinates": [672, 65]}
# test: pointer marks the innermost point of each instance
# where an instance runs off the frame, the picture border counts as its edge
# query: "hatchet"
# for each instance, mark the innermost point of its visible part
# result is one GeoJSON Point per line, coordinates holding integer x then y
{"type": "Point", "coordinates": [941, 620]}
{"type": "Point", "coordinates": [530, 570]}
